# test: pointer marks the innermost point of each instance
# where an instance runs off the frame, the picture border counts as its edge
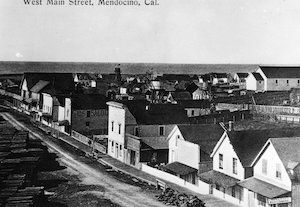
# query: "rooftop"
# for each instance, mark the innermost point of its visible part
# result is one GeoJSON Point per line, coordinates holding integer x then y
{"type": "Point", "coordinates": [242, 75]}
{"type": "Point", "coordinates": [146, 113]}
{"type": "Point", "coordinates": [215, 177]}
{"type": "Point", "coordinates": [287, 149]}
{"type": "Point", "coordinates": [263, 188]}
{"type": "Point", "coordinates": [258, 77]}
{"type": "Point", "coordinates": [205, 135]}
{"type": "Point", "coordinates": [281, 72]}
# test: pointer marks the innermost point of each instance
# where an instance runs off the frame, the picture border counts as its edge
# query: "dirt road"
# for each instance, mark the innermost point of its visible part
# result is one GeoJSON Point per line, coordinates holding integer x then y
{"type": "Point", "coordinates": [114, 190]}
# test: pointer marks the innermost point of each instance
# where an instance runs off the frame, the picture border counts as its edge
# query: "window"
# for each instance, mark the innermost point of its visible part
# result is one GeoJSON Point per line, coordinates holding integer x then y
{"type": "Point", "coordinates": [233, 193]}
{"type": "Point", "coordinates": [264, 166]}
{"type": "Point", "coordinates": [112, 146]}
{"type": "Point", "coordinates": [161, 130]}
{"type": "Point", "coordinates": [192, 112]}
{"type": "Point", "coordinates": [287, 82]}
{"type": "Point", "coordinates": [220, 161]}
{"type": "Point", "coordinates": [298, 82]}
{"type": "Point", "coordinates": [176, 140]}
{"type": "Point", "coordinates": [88, 113]}
{"type": "Point", "coordinates": [136, 131]}
{"type": "Point", "coordinates": [119, 128]}
{"type": "Point", "coordinates": [87, 124]}
{"type": "Point", "coordinates": [112, 126]}
{"type": "Point", "coordinates": [68, 112]}
{"type": "Point", "coordinates": [261, 200]}
{"type": "Point", "coordinates": [276, 82]}
{"type": "Point", "coordinates": [121, 147]}
{"type": "Point", "coordinates": [234, 166]}
{"type": "Point", "coordinates": [278, 171]}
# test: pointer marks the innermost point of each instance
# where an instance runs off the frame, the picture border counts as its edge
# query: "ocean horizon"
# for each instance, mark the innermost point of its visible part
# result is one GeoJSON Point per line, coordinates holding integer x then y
{"type": "Point", "coordinates": [19, 67]}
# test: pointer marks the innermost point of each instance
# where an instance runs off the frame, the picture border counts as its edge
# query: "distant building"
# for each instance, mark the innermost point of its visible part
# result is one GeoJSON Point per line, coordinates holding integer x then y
{"type": "Point", "coordinates": [219, 78]}
{"type": "Point", "coordinates": [240, 77]}
{"type": "Point", "coordinates": [280, 78]}
{"type": "Point", "coordinates": [255, 82]}
{"type": "Point", "coordinates": [89, 114]}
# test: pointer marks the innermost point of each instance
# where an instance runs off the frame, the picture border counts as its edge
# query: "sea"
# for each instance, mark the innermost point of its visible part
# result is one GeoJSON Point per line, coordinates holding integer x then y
{"type": "Point", "coordinates": [17, 67]}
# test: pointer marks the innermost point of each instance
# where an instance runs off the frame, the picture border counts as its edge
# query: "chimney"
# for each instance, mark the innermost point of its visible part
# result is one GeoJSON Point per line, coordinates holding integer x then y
{"type": "Point", "coordinates": [230, 126]}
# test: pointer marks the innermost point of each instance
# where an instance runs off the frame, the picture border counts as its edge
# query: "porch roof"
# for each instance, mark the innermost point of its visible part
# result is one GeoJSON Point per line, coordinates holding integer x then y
{"type": "Point", "coordinates": [263, 188]}
{"type": "Point", "coordinates": [180, 168]}
{"type": "Point", "coordinates": [215, 177]}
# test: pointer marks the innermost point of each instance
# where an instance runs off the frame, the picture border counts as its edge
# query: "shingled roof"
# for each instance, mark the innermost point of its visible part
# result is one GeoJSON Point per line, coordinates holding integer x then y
{"type": "Point", "coordinates": [247, 144]}
{"type": "Point", "coordinates": [281, 72]}
{"type": "Point", "coordinates": [205, 135]}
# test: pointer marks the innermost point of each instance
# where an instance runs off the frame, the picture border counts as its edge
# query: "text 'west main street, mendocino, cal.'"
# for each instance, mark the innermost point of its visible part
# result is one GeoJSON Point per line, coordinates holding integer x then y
{"type": "Point", "coordinates": [91, 2]}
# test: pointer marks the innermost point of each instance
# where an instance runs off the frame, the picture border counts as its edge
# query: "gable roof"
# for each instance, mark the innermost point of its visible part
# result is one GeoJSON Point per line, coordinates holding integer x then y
{"type": "Point", "coordinates": [204, 135]}
{"type": "Point", "coordinates": [247, 144]}
{"type": "Point", "coordinates": [153, 114]}
{"type": "Point", "coordinates": [287, 149]}
{"type": "Point", "coordinates": [257, 76]}
{"type": "Point", "coordinates": [281, 72]}
{"type": "Point", "coordinates": [88, 101]}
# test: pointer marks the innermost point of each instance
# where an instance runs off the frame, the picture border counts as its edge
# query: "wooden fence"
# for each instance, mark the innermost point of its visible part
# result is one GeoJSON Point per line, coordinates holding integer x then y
{"type": "Point", "coordinates": [276, 109]}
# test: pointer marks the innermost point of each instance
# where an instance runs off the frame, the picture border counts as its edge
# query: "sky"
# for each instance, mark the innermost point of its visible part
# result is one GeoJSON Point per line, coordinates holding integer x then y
{"type": "Point", "coordinates": [175, 31]}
